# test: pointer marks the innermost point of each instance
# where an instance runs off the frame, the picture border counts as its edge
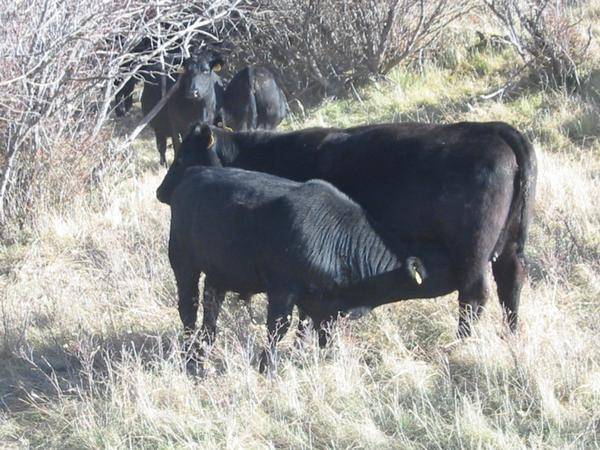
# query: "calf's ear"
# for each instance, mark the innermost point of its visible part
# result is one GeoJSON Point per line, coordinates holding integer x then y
{"type": "Point", "coordinates": [415, 269]}
{"type": "Point", "coordinates": [204, 135]}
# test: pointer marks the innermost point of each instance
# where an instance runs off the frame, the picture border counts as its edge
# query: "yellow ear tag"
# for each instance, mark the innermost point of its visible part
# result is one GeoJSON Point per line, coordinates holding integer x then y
{"type": "Point", "coordinates": [224, 127]}
{"type": "Point", "coordinates": [418, 278]}
{"type": "Point", "coordinates": [212, 141]}
{"type": "Point", "coordinates": [217, 68]}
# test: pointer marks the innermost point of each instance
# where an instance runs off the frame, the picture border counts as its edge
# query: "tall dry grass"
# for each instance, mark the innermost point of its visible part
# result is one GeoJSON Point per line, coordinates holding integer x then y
{"type": "Point", "coordinates": [89, 332]}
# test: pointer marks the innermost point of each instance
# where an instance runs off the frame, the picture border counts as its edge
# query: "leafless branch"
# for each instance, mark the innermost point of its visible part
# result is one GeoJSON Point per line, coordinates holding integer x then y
{"type": "Point", "coordinates": [61, 64]}
{"type": "Point", "coordinates": [318, 46]}
{"type": "Point", "coordinates": [546, 37]}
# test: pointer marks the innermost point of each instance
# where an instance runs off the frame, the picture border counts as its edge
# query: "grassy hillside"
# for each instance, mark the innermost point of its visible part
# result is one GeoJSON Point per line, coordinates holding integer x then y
{"type": "Point", "coordinates": [89, 331]}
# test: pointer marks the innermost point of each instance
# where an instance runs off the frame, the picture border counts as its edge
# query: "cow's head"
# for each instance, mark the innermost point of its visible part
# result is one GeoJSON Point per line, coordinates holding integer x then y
{"type": "Point", "coordinates": [198, 72]}
{"type": "Point", "coordinates": [197, 149]}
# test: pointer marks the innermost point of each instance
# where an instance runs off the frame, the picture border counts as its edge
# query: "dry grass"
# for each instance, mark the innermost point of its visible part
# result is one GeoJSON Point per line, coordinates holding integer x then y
{"type": "Point", "coordinates": [89, 330]}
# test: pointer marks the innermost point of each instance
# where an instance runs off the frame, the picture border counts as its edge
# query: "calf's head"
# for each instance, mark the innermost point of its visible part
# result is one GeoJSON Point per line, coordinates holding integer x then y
{"type": "Point", "coordinates": [197, 149]}
{"type": "Point", "coordinates": [389, 286]}
{"type": "Point", "coordinates": [199, 72]}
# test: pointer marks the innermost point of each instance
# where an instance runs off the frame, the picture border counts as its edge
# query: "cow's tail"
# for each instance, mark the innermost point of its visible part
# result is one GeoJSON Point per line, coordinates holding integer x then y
{"type": "Point", "coordinates": [524, 191]}
{"type": "Point", "coordinates": [253, 108]}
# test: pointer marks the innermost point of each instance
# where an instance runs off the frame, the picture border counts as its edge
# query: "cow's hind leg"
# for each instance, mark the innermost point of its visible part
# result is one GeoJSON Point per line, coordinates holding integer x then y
{"type": "Point", "coordinates": [161, 145]}
{"type": "Point", "coordinates": [471, 300]}
{"type": "Point", "coordinates": [176, 141]}
{"type": "Point", "coordinates": [279, 313]}
{"type": "Point", "coordinates": [509, 273]}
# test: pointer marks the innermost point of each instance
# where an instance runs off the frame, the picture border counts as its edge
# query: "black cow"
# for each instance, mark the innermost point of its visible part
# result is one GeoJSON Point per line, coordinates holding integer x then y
{"type": "Point", "coordinates": [253, 100]}
{"type": "Point", "coordinates": [304, 244]}
{"type": "Point", "coordinates": [196, 99]}
{"type": "Point", "coordinates": [124, 95]}
{"type": "Point", "coordinates": [466, 187]}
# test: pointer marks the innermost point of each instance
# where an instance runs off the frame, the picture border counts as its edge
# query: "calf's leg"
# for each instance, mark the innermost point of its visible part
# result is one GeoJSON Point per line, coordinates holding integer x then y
{"type": "Point", "coordinates": [212, 303]}
{"type": "Point", "coordinates": [187, 278]}
{"type": "Point", "coordinates": [187, 288]}
{"type": "Point", "coordinates": [303, 325]}
{"type": "Point", "coordinates": [323, 325]}
{"type": "Point", "coordinates": [279, 313]}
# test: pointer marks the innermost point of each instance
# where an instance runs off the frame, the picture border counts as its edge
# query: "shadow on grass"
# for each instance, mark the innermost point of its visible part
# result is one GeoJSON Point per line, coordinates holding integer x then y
{"type": "Point", "coordinates": [50, 371]}
{"type": "Point", "coordinates": [30, 372]}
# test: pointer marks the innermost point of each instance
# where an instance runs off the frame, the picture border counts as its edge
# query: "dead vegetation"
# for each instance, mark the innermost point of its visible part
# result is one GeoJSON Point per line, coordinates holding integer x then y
{"type": "Point", "coordinates": [89, 331]}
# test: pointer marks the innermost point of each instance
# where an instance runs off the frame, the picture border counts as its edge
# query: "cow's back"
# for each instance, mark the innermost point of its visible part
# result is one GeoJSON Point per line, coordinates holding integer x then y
{"type": "Point", "coordinates": [271, 104]}
{"type": "Point", "coordinates": [238, 101]}
{"type": "Point", "coordinates": [421, 180]}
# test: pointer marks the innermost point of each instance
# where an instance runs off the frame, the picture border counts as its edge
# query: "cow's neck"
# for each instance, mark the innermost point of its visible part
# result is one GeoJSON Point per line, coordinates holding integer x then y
{"type": "Point", "coordinates": [370, 254]}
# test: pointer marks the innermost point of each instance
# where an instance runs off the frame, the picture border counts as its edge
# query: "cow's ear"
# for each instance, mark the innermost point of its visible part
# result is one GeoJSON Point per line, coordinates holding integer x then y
{"type": "Point", "coordinates": [415, 269]}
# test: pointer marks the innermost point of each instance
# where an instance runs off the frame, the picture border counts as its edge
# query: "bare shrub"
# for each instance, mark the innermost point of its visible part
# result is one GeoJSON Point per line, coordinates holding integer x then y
{"type": "Point", "coordinates": [319, 46]}
{"type": "Point", "coordinates": [58, 64]}
{"type": "Point", "coordinates": [546, 36]}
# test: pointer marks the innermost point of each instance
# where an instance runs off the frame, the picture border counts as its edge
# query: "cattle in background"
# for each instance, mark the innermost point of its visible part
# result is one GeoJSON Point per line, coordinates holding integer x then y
{"type": "Point", "coordinates": [304, 244]}
{"type": "Point", "coordinates": [253, 100]}
{"type": "Point", "coordinates": [196, 99]}
{"type": "Point", "coordinates": [465, 187]}
{"type": "Point", "coordinates": [124, 95]}
{"type": "Point", "coordinates": [155, 86]}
